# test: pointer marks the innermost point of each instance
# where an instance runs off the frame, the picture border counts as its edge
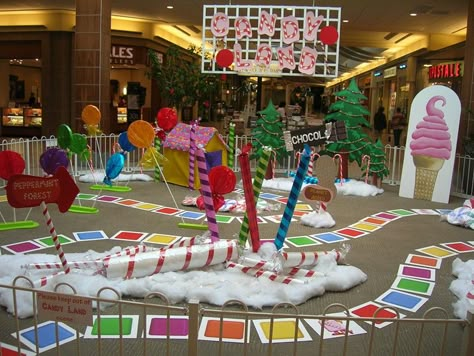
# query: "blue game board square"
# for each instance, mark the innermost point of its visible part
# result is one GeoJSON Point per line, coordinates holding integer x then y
{"type": "Point", "coordinates": [191, 215]}
{"type": "Point", "coordinates": [328, 237]}
{"type": "Point", "coordinates": [269, 196]}
{"type": "Point", "coordinates": [47, 335]}
{"type": "Point", "coordinates": [89, 235]}
{"type": "Point", "coordinates": [402, 299]}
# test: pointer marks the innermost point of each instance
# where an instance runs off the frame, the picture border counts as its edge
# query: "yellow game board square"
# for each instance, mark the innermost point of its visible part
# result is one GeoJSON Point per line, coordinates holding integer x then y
{"type": "Point", "coordinates": [161, 239]}
{"type": "Point", "coordinates": [304, 207]}
{"type": "Point", "coordinates": [436, 251]}
{"type": "Point", "coordinates": [281, 330]}
{"type": "Point", "coordinates": [365, 227]}
{"type": "Point", "coordinates": [147, 206]}
{"type": "Point", "coordinates": [3, 198]}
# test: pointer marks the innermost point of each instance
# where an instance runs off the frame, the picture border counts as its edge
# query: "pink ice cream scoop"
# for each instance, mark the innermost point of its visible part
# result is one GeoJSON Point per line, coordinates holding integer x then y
{"type": "Point", "coordinates": [431, 137]}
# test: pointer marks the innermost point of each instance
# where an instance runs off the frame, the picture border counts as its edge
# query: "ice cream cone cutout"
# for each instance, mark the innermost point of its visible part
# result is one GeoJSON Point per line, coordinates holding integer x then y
{"type": "Point", "coordinates": [431, 139]}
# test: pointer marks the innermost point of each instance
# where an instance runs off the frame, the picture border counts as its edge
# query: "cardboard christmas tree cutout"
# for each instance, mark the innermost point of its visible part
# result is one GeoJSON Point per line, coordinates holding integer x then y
{"type": "Point", "coordinates": [348, 108]}
{"type": "Point", "coordinates": [376, 166]}
{"type": "Point", "coordinates": [269, 132]}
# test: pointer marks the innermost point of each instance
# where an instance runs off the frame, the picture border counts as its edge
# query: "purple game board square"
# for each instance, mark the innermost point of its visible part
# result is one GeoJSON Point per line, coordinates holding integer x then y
{"type": "Point", "coordinates": [178, 327]}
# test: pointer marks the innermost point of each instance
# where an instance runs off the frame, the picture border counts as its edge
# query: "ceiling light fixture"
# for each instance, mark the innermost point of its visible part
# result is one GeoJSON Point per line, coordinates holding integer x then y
{"type": "Point", "coordinates": [413, 14]}
{"type": "Point", "coordinates": [170, 7]}
{"type": "Point", "coordinates": [345, 21]}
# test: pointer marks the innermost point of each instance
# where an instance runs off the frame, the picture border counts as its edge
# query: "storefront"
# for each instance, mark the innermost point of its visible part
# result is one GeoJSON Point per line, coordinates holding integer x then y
{"type": "Point", "coordinates": [449, 74]}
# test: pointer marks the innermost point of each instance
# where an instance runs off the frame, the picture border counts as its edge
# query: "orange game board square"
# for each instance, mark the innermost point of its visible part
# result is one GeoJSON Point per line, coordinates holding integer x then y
{"type": "Point", "coordinates": [230, 329]}
{"type": "Point", "coordinates": [427, 261]}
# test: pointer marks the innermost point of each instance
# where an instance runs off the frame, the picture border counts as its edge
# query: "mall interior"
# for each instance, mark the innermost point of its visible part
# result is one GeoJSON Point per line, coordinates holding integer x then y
{"type": "Point", "coordinates": [57, 57]}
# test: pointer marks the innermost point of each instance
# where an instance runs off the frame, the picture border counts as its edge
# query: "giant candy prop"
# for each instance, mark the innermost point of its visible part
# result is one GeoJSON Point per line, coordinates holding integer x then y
{"type": "Point", "coordinates": [293, 198]}
{"type": "Point", "coordinates": [173, 259]}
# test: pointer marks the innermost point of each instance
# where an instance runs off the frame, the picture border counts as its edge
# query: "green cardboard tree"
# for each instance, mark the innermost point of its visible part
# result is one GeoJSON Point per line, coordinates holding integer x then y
{"type": "Point", "coordinates": [377, 167]}
{"type": "Point", "coordinates": [348, 108]}
{"type": "Point", "coordinates": [268, 131]}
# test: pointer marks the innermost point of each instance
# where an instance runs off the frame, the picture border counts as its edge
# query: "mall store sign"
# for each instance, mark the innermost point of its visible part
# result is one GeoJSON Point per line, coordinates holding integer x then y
{"type": "Point", "coordinates": [446, 70]}
{"type": "Point", "coordinates": [271, 40]}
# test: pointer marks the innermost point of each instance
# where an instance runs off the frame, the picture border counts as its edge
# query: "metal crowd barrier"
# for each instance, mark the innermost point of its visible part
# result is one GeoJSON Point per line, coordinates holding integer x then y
{"type": "Point", "coordinates": [432, 334]}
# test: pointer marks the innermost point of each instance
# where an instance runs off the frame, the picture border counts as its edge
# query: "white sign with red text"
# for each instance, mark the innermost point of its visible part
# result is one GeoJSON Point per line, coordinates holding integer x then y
{"type": "Point", "coordinates": [65, 308]}
{"type": "Point", "coordinates": [271, 40]}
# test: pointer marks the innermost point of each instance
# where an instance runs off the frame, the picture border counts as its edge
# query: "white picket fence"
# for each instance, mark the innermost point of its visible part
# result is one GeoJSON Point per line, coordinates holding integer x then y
{"type": "Point", "coordinates": [105, 145]}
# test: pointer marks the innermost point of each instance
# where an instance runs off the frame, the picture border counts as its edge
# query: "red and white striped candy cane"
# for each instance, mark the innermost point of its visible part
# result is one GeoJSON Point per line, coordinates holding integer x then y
{"type": "Point", "coordinates": [127, 252]}
{"type": "Point", "coordinates": [264, 273]}
{"type": "Point", "coordinates": [311, 162]}
{"type": "Point", "coordinates": [57, 265]}
{"type": "Point", "coordinates": [298, 259]}
{"type": "Point", "coordinates": [57, 243]}
{"type": "Point", "coordinates": [366, 158]}
{"type": "Point", "coordinates": [322, 207]}
{"type": "Point", "coordinates": [307, 273]}
{"type": "Point", "coordinates": [45, 280]}
{"type": "Point", "coordinates": [298, 158]}
{"type": "Point", "coordinates": [337, 155]}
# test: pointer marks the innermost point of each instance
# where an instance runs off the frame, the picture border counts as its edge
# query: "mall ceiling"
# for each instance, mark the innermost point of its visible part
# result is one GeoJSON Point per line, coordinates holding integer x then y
{"type": "Point", "coordinates": [373, 28]}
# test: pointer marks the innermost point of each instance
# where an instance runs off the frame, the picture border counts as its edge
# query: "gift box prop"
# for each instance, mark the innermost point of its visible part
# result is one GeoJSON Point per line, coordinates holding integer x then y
{"type": "Point", "coordinates": [176, 149]}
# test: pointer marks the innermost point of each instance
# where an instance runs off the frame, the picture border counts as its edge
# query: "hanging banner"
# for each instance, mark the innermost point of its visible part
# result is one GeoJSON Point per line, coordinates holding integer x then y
{"type": "Point", "coordinates": [271, 40]}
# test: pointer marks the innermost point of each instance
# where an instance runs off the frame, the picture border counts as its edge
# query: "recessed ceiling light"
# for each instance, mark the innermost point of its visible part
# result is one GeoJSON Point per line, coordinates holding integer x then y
{"type": "Point", "coordinates": [345, 21]}
{"type": "Point", "coordinates": [170, 7]}
{"type": "Point", "coordinates": [413, 14]}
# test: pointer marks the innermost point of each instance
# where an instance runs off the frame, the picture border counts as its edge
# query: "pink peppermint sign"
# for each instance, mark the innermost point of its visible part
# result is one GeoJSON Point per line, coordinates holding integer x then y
{"type": "Point", "coordinates": [271, 40]}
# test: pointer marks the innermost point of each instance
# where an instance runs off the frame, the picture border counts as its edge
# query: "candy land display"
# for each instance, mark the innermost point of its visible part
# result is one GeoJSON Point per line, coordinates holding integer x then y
{"type": "Point", "coordinates": [11, 164]}
{"type": "Point", "coordinates": [227, 269]}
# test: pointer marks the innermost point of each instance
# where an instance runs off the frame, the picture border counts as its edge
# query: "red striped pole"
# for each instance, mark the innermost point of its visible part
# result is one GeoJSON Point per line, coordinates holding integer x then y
{"type": "Point", "coordinates": [57, 244]}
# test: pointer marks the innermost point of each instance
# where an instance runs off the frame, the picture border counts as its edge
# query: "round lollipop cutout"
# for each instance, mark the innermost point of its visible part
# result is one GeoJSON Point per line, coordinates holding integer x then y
{"type": "Point", "coordinates": [141, 134]}
{"type": "Point", "coordinates": [11, 163]}
{"type": "Point", "coordinates": [91, 115]}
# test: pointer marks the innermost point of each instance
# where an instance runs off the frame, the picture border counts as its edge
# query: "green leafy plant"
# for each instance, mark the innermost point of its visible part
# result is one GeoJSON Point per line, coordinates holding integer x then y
{"type": "Point", "coordinates": [179, 77]}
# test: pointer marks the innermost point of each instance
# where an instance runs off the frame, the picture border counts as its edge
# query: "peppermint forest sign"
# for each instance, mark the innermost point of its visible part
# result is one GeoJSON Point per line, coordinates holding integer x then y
{"type": "Point", "coordinates": [271, 40]}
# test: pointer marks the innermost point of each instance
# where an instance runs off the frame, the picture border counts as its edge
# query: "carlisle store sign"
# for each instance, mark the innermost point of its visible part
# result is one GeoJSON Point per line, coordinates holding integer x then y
{"type": "Point", "coordinates": [446, 70]}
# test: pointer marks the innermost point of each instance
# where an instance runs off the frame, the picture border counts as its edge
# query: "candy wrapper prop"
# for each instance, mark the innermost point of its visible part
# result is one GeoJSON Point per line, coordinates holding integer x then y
{"type": "Point", "coordinates": [173, 259]}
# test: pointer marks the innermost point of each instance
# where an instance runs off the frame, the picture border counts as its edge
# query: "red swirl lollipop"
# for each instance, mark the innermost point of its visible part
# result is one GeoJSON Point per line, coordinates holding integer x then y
{"type": "Point", "coordinates": [11, 163]}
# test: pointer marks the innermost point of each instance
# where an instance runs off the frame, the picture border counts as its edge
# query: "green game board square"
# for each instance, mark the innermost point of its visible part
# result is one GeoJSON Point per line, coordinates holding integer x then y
{"type": "Point", "coordinates": [412, 285]}
{"type": "Point", "coordinates": [48, 241]}
{"type": "Point", "coordinates": [302, 240]}
{"type": "Point", "coordinates": [402, 212]}
{"type": "Point", "coordinates": [111, 326]}
{"type": "Point", "coordinates": [84, 196]}
{"type": "Point", "coordinates": [224, 219]}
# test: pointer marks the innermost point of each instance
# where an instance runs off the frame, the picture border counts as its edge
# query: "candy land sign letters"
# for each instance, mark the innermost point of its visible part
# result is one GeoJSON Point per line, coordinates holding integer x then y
{"type": "Point", "coordinates": [271, 40]}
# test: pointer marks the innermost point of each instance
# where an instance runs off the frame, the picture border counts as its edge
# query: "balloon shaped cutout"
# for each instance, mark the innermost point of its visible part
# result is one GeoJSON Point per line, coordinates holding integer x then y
{"type": "Point", "coordinates": [64, 136]}
{"type": "Point", "coordinates": [11, 163]}
{"type": "Point", "coordinates": [125, 143]}
{"type": "Point", "coordinates": [91, 115]}
{"type": "Point", "coordinates": [166, 119]}
{"type": "Point", "coordinates": [141, 134]}
{"type": "Point", "coordinates": [222, 180]}
{"type": "Point", "coordinates": [114, 166]}
{"type": "Point", "coordinates": [52, 159]}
